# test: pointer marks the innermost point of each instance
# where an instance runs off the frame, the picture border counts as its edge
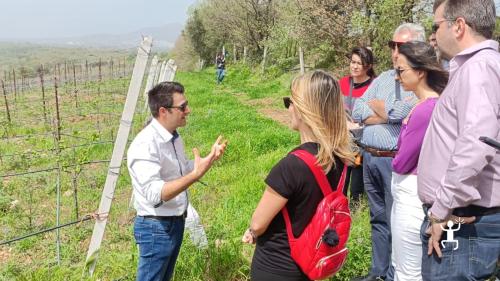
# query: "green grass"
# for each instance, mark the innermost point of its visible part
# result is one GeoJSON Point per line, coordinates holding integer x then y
{"type": "Point", "coordinates": [235, 185]}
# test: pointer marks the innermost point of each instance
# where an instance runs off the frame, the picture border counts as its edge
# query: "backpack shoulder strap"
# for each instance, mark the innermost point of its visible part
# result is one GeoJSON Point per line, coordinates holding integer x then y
{"type": "Point", "coordinates": [321, 179]}
{"type": "Point", "coordinates": [318, 172]}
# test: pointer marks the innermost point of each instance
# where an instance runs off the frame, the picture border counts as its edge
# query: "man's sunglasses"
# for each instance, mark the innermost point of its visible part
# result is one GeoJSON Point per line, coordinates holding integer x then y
{"type": "Point", "coordinates": [437, 24]}
{"type": "Point", "coordinates": [287, 102]}
{"type": "Point", "coordinates": [394, 44]}
{"type": "Point", "coordinates": [181, 107]}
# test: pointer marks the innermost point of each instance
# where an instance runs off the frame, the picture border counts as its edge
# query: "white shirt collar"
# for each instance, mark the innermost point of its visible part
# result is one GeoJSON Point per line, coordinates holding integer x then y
{"type": "Point", "coordinates": [164, 133]}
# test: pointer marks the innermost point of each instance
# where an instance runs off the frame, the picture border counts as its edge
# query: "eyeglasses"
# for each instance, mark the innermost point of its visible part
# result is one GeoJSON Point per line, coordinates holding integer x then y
{"type": "Point", "coordinates": [182, 107]}
{"type": "Point", "coordinates": [394, 44]}
{"type": "Point", "coordinates": [400, 71]}
{"type": "Point", "coordinates": [437, 24]}
{"type": "Point", "coordinates": [287, 101]}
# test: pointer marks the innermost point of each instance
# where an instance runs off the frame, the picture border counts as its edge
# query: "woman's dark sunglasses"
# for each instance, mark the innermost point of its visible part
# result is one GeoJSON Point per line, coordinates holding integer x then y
{"type": "Point", "coordinates": [181, 107]}
{"type": "Point", "coordinates": [287, 101]}
{"type": "Point", "coordinates": [393, 44]}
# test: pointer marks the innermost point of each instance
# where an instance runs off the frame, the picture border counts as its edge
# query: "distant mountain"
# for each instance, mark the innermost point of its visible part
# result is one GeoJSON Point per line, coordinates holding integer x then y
{"type": "Point", "coordinates": [163, 39]}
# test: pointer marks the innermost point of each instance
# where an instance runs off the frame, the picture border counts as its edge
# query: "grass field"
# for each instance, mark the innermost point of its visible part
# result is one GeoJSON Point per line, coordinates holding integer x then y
{"type": "Point", "coordinates": [235, 184]}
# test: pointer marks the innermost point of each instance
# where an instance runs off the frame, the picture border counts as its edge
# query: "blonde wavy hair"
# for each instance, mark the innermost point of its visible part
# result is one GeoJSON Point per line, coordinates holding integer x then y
{"type": "Point", "coordinates": [316, 97]}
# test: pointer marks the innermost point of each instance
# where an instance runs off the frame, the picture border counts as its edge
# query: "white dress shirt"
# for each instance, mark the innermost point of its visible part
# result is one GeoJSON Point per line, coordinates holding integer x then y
{"type": "Point", "coordinates": [154, 157]}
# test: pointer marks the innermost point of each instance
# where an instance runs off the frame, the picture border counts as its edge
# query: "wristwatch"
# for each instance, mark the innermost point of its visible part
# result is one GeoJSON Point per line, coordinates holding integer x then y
{"type": "Point", "coordinates": [433, 219]}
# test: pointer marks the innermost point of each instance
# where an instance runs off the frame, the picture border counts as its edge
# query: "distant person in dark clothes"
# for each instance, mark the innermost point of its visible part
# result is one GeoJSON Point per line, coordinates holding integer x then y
{"type": "Point", "coordinates": [353, 86]}
{"type": "Point", "coordinates": [317, 113]}
{"type": "Point", "coordinates": [220, 63]}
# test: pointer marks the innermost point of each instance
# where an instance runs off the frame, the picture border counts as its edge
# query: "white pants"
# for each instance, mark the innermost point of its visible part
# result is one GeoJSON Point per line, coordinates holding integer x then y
{"type": "Point", "coordinates": [406, 219]}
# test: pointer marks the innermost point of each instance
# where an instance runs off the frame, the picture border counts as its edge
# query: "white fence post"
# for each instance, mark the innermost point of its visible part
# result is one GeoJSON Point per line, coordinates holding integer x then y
{"type": "Point", "coordinates": [301, 60]}
{"type": "Point", "coordinates": [118, 151]}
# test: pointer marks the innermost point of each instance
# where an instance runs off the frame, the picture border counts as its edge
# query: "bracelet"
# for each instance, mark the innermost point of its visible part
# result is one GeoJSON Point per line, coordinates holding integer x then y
{"type": "Point", "coordinates": [433, 219]}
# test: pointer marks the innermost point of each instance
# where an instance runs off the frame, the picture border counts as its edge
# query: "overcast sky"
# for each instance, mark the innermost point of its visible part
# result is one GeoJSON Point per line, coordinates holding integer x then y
{"type": "Point", "coordinates": [21, 19]}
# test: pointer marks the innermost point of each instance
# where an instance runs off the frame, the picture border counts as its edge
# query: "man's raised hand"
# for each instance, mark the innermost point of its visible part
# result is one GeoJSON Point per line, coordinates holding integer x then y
{"type": "Point", "coordinates": [202, 165]}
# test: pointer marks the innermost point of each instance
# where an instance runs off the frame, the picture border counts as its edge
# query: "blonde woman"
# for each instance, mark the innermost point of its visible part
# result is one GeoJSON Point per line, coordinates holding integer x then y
{"type": "Point", "coordinates": [317, 112]}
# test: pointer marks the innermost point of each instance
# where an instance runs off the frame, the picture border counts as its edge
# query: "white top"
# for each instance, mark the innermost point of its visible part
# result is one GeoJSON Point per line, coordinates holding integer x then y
{"type": "Point", "coordinates": [154, 157]}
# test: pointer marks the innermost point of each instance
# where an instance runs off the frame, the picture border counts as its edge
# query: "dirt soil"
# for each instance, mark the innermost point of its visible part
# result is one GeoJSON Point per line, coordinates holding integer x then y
{"type": "Point", "coordinates": [266, 108]}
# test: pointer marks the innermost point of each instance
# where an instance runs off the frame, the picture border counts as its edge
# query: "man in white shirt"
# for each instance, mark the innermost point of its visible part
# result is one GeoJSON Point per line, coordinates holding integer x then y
{"type": "Point", "coordinates": [161, 174]}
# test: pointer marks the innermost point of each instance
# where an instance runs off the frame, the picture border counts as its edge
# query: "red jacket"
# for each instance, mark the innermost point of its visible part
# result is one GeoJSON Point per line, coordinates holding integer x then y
{"type": "Point", "coordinates": [356, 93]}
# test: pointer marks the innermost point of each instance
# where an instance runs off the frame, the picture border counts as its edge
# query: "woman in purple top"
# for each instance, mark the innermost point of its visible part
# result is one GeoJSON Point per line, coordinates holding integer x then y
{"type": "Point", "coordinates": [417, 70]}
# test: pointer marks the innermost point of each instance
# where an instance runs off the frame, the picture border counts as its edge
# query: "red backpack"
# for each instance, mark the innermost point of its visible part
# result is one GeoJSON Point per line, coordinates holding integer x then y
{"type": "Point", "coordinates": [320, 251]}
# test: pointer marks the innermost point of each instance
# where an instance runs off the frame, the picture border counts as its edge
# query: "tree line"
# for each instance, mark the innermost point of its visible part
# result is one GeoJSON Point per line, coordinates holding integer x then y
{"type": "Point", "coordinates": [325, 29]}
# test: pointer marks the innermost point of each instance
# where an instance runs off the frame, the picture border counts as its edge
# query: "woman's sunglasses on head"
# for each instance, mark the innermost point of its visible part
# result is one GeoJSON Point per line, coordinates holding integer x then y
{"type": "Point", "coordinates": [287, 101]}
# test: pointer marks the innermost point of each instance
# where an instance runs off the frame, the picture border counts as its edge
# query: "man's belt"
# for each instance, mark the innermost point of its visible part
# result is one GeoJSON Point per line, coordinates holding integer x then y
{"type": "Point", "coordinates": [469, 211]}
{"type": "Point", "coordinates": [165, 218]}
{"type": "Point", "coordinates": [473, 210]}
{"type": "Point", "coordinates": [380, 153]}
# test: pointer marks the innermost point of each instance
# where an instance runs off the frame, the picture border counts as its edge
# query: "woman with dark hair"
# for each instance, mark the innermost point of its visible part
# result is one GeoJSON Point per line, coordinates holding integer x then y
{"type": "Point", "coordinates": [418, 70]}
{"type": "Point", "coordinates": [316, 112]}
{"type": "Point", "coordinates": [353, 86]}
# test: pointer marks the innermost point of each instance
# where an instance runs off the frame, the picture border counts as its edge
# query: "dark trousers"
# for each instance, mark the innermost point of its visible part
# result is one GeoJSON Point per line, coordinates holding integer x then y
{"type": "Point", "coordinates": [357, 184]}
{"type": "Point", "coordinates": [377, 175]}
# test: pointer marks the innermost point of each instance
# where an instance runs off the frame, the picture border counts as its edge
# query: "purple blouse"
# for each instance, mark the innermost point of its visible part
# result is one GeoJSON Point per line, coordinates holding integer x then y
{"type": "Point", "coordinates": [411, 138]}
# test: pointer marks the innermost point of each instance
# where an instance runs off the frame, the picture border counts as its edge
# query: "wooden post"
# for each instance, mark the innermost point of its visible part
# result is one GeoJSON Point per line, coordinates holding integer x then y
{"type": "Point", "coordinates": [87, 70]}
{"type": "Point", "coordinates": [157, 72]}
{"type": "Point", "coordinates": [172, 69]}
{"type": "Point", "coordinates": [15, 85]}
{"type": "Point", "coordinates": [150, 80]}
{"type": "Point", "coordinates": [234, 53]}
{"type": "Point", "coordinates": [6, 102]}
{"type": "Point", "coordinates": [75, 91]}
{"type": "Point", "coordinates": [58, 118]}
{"type": "Point", "coordinates": [118, 151]}
{"type": "Point", "coordinates": [22, 84]}
{"type": "Point", "coordinates": [245, 54]}
{"type": "Point", "coordinates": [201, 63]}
{"type": "Point", "coordinates": [161, 75]}
{"type": "Point", "coordinates": [65, 72]}
{"type": "Point", "coordinates": [301, 60]}
{"type": "Point", "coordinates": [43, 95]}
{"type": "Point", "coordinates": [100, 77]}
{"type": "Point", "coordinates": [111, 69]}
{"type": "Point", "coordinates": [74, 181]}
{"type": "Point", "coordinates": [264, 59]}
{"type": "Point", "coordinates": [58, 70]}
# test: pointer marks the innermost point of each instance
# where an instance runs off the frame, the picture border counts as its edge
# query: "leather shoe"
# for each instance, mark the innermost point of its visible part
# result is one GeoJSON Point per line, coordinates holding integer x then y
{"type": "Point", "coordinates": [368, 278]}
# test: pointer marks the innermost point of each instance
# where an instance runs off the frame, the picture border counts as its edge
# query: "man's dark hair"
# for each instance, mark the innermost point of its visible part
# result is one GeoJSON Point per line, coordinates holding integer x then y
{"type": "Point", "coordinates": [437, 3]}
{"type": "Point", "coordinates": [480, 15]}
{"type": "Point", "coordinates": [162, 96]}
